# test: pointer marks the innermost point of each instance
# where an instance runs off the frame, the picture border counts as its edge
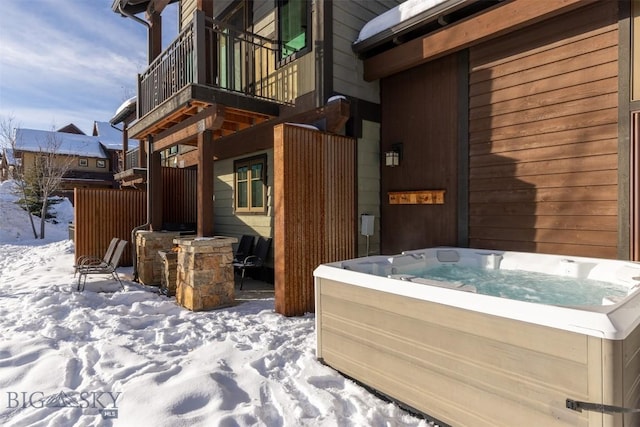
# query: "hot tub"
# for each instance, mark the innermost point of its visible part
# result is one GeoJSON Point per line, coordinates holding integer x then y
{"type": "Point", "coordinates": [461, 357]}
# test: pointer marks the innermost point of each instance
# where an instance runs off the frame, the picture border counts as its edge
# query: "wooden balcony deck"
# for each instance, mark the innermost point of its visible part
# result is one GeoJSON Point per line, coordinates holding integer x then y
{"type": "Point", "coordinates": [210, 64]}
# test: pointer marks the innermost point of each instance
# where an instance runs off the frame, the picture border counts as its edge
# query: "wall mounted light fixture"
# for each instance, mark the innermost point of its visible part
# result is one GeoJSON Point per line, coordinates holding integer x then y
{"type": "Point", "coordinates": [392, 158]}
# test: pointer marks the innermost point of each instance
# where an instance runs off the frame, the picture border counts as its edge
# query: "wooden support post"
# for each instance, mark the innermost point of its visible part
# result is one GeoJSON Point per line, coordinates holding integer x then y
{"type": "Point", "coordinates": [205, 184]}
{"type": "Point", "coordinates": [155, 36]}
{"type": "Point", "coordinates": [154, 186]}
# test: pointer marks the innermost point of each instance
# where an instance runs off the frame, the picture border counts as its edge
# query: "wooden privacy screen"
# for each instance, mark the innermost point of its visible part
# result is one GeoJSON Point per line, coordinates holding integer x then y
{"type": "Point", "coordinates": [315, 219]}
{"type": "Point", "coordinates": [179, 197]}
{"type": "Point", "coordinates": [101, 214]}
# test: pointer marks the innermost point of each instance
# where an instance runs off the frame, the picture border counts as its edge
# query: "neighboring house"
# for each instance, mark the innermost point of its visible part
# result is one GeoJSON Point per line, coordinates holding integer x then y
{"type": "Point", "coordinates": [525, 113]}
{"type": "Point", "coordinates": [7, 164]}
{"type": "Point", "coordinates": [235, 71]}
{"type": "Point", "coordinates": [114, 144]}
{"type": "Point", "coordinates": [89, 166]}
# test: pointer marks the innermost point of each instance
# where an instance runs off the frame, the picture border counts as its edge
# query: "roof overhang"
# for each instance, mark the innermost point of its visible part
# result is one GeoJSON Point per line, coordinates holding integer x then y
{"type": "Point", "coordinates": [495, 21]}
{"type": "Point", "coordinates": [134, 7]}
{"type": "Point", "coordinates": [436, 16]}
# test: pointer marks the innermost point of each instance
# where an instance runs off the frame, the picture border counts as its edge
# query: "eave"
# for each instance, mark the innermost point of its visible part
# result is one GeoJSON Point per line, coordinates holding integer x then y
{"type": "Point", "coordinates": [134, 7]}
{"type": "Point", "coordinates": [493, 23]}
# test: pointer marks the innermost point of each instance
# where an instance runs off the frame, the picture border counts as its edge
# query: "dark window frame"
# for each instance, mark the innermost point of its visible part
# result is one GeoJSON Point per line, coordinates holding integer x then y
{"type": "Point", "coordinates": [248, 162]}
{"type": "Point", "coordinates": [307, 47]}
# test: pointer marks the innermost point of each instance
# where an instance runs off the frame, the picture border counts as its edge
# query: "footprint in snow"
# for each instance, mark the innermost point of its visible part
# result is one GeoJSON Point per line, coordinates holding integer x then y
{"type": "Point", "coordinates": [232, 395]}
{"type": "Point", "coordinates": [189, 403]}
{"type": "Point", "coordinates": [168, 374]}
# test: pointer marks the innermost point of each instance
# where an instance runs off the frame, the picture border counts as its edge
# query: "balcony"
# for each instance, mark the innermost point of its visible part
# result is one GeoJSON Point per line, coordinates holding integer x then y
{"type": "Point", "coordinates": [210, 62]}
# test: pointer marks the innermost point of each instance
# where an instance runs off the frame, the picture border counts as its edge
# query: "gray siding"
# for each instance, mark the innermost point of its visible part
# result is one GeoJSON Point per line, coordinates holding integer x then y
{"type": "Point", "coordinates": [349, 18]}
{"type": "Point", "coordinates": [226, 222]}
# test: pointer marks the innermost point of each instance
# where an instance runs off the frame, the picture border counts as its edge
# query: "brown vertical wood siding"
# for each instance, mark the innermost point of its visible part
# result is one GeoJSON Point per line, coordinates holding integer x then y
{"type": "Point", "coordinates": [314, 176]}
{"type": "Point", "coordinates": [179, 202]}
{"type": "Point", "coordinates": [543, 137]}
{"type": "Point", "coordinates": [102, 214]}
{"type": "Point", "coordinates": [420, 110]}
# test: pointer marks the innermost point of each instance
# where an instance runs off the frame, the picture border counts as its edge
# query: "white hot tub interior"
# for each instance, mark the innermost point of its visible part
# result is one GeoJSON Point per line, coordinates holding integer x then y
{"type": "Point", "coordinates": [548, 279]}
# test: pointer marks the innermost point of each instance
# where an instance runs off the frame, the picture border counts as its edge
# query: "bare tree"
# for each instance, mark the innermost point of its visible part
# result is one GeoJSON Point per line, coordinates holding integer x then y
{"type": "Point", "coordinates": [50, 166]}
{"type": "Point", "coordinates": [40, 178]}
{"type": "Point", "coordinates": [8, 138]}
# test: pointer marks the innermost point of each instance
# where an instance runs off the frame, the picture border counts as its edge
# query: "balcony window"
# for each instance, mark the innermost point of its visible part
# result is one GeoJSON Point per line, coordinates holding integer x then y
{"type": "Point", "coordinates": [250, 185]}
{"type": "Point", "coordinates": [293, 31]}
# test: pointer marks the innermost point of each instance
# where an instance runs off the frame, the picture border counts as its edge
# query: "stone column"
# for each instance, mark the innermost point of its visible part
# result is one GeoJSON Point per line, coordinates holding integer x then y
{"type": "Point", "coordinates": [205, 272]}
{"type": "Point", "coordinates": [150, 265]}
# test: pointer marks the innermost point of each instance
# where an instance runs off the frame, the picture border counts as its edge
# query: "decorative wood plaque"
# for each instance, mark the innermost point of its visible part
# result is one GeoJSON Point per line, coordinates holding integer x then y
{"type": "Point", "coordinates": [423, 197]}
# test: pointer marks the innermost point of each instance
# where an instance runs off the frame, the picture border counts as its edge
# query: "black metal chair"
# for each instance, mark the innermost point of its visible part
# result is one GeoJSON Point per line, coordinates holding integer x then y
{"type": "Point", "coordinates": [254, 261]}
{"type": "Point", "coordinates": [244, 248]}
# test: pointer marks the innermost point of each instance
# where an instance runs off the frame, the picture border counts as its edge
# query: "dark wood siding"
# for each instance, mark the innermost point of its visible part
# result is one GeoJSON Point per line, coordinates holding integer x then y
{"type": "Point", "coordinates": [419, 110]}
{"type": "Point", "coordinates": [543, 137]}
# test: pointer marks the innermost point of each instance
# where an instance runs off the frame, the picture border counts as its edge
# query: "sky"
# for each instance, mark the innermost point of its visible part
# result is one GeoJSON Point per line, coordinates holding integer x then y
{"type": "Point", "coordinates": [70, 61]}
{"type": "Point", "coordinates": [66, 356]}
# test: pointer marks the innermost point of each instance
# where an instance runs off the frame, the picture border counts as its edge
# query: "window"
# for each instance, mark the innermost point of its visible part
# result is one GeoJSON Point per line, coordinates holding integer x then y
{"type": "Point", "coordinates": [293, 31]}
{"type": "Point", "coordinates": [101, 163]}
{"type": "Point", "coordinates": [250, 185]}
{"type": "Point", "coordinates": [83, 162]}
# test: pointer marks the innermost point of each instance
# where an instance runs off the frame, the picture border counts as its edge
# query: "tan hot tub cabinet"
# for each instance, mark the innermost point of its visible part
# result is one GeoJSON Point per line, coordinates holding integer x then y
{"type": "Point", "coordinates": [464, 367]}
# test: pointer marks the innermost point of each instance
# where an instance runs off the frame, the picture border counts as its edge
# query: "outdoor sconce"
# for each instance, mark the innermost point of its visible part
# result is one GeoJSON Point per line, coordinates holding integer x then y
{"type": "Point", "coordinates": [392, 158]}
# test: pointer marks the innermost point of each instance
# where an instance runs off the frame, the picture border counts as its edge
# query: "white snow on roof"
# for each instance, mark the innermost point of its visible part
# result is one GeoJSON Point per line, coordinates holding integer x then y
{"type": "Point", "coordinates": [126, 104]}
{"type": "Point", "coordinates": [110, 137]}
{"type": "Point", "coordinates": [8, 153]}
{"type": "Point", "coordinates": [395, 16]}
{"type": "Point", "coordinates": [66, 143]}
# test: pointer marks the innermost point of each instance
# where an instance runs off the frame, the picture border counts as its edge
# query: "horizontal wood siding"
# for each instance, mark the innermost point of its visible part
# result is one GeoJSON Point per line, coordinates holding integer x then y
{"type": "Point", "coordinates": [187, 7]}
{"type": "Point", "coordinates": [420, 110]}
{"type": "Point", "coordinates": [369, 184]}
{"type": "Point", "coordinates": [348, 71]}
{"type": "Point", "coordinates": [543, 137]}
{"type": "Point", "coordinates": [229, 223]}
{"type": "Point", "coordinates": [315, 205]}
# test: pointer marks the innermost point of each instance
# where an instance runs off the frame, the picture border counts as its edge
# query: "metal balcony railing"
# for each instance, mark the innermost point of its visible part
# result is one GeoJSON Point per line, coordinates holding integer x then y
{"type": "Point", "coordinates": [212, 53]}
{"type": "Point", "coordinates": [132, 159]}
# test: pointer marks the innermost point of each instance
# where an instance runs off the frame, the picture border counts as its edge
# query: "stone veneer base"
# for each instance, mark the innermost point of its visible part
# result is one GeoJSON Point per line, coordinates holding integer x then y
{"type": "Point", "coordinates": [204, 279]}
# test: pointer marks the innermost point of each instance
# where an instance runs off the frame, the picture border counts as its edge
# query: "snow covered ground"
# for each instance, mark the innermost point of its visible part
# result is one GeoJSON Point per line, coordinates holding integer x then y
{"type": "Point", "coordinates": [83, 359]}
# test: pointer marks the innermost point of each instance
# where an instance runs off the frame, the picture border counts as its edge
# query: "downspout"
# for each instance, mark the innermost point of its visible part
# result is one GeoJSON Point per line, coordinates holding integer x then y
{"type": "Point", "coordinates": [132, 16]}
{"type": "Point", "coordinates": [148, 223]}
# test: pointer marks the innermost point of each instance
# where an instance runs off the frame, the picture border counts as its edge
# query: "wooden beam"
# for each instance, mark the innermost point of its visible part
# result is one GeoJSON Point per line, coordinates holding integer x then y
{"type": "Point", "coordinates": [206, 6]}
{"type": "Point", "coordinates": [210, 118]}
{"type": "Point", "coordinates": [205, 184]}
{"type": "Point", "coordinates": [260, 136]}
{"type": "Point", "coordinates": [501, 20]}
{"type": "Point", "coordinates": [156, 6]}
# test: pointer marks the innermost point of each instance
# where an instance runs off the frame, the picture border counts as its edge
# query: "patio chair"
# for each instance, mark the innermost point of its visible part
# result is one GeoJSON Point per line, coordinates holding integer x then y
{"type": "Point", "coordinates": [110, 268]}
{"type": "Point", "coordinates": [87, 260]}
{"type": "Point", "coordinates": [244, 248]}
{"type": "Point", "coordinates": [254, 261]}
